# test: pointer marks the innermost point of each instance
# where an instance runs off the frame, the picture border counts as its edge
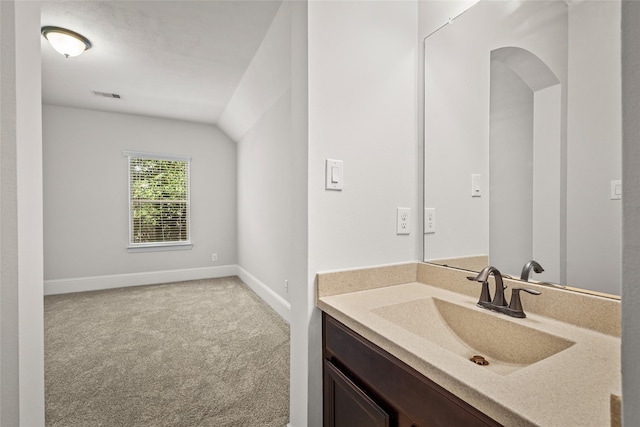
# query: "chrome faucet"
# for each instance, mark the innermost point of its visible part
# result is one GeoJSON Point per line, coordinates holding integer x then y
{"type": "Point", "coordinates": [527, 269]}
{"type": "Point", "coordinates": [514, 309]}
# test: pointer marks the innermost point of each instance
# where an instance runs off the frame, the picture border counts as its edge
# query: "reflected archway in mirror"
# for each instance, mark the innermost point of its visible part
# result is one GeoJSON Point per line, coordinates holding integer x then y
{"type": "Point", "coordinates": [525, 137]}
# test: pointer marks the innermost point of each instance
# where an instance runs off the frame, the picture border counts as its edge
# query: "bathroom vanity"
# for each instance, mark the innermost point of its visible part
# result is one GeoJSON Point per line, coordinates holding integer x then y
{"type": "Point", "coordinates": [397, 344]}
{"type": "Point", "coordinates": [355, 394]}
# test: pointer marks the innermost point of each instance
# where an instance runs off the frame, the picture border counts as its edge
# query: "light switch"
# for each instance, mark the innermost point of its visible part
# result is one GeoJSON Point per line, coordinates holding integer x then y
{"type": "Point", "coordinates": [334, 175]}
{"type": "Point", "coordinates": [476, 185]}
{"type": "Point", "coordinates": [616, 190]}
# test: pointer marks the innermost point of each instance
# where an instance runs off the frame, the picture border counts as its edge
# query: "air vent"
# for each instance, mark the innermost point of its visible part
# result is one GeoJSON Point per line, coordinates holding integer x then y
{"type": "Point", "coordinates": [106, 94]}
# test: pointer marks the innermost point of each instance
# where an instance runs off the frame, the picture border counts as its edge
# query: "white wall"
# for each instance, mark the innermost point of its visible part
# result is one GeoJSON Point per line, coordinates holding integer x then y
{"type": "Point", "coordinates": [9, 363]}
{"type": "Point", "coordinates": [265, 81]}
{"type": "Point", "coordinates": [547, 192]}
{"type": "Point", "coordinates": [265, 198]}
{"type": "Point", "coordinates": [631, 212]}
{"type": "Point", "coordinates": [86, 198]}
{"type": "Point", "coordinates": [259, 115]}
{"type": "Point", "coordinates": [21, 271]}
{"type": "Point", "coordinates": [301, 294]}
{"type": "Point", "coordinates": [594, 222]}
{"type": "Point", "coordinates": [511, 168]}
{"type": "Point", "coordinates": [434, 14]}
{"type": "Point", "coordinates": [363, 110]}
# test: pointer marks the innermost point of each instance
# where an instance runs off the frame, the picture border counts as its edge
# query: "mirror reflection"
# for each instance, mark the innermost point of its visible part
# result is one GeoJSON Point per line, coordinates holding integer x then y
{"type": "Point", "coordinates": [523, 141]}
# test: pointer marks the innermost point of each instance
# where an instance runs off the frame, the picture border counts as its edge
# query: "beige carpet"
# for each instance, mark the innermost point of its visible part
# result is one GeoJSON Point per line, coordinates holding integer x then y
{"type": "Point", "coordinates": [199, 353]}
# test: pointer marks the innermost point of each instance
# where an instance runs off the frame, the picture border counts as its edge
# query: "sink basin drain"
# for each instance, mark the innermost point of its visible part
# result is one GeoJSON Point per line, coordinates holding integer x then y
{"type": "Point", "coordinates": [479, 360]}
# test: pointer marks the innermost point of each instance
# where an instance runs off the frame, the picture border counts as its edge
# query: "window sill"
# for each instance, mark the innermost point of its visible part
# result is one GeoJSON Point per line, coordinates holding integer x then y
{"type": "Point", "coordinates": [160, 247]}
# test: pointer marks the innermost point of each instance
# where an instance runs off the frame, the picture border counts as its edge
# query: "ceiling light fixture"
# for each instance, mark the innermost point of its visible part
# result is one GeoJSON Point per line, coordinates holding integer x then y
{"type": "Point", "coordinates": [67, 42]}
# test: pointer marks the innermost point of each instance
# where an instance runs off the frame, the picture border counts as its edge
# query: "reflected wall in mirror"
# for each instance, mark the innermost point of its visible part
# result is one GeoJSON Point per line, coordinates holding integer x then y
{"type": "Point", "coordinates": [526, 97]}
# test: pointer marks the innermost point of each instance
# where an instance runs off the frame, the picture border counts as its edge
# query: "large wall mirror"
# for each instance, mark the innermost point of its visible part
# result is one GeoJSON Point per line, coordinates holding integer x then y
{"type": "Point", "coordinates": [523, 141]}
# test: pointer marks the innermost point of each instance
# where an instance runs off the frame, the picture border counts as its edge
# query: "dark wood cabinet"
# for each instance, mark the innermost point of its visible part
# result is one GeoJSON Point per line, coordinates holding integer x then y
{"type": "Point", "coordinates": [346, 405]}
{"type": "Point", "coordinates": [366, 386]}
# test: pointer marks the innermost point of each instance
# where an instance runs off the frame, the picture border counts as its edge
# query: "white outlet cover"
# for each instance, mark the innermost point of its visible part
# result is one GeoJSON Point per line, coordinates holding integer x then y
{"type": "Point", "coordinates": [429, 220]}
{"type": "Point", "coordinates": [403, 221]}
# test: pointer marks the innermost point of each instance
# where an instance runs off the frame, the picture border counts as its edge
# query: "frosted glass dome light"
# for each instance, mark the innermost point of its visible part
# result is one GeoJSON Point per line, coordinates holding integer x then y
{"type": "Point", "coordinates": [67, 42]}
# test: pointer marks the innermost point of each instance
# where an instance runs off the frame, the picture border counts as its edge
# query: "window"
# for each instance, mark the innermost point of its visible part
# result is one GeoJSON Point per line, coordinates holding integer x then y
{"type": "Point", "coordinates": [159, 201]}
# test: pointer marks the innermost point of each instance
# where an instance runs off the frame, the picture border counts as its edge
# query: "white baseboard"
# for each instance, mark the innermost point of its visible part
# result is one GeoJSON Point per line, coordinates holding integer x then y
{"type": "Point", "coordinates": [279, 304]}
{"type": "Point", "coordinates": [95, 283]}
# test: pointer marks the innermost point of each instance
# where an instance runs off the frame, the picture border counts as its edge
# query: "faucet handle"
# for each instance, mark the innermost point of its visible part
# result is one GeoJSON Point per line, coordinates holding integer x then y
{"type": "Point", "coordinates": [485, 296]}
{"type": "Point", "coordinates": [515, 305]}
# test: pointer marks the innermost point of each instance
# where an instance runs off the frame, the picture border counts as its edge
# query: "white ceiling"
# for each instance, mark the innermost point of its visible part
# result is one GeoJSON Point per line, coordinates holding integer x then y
{"type": "Point", "coordinates": [173, 59]}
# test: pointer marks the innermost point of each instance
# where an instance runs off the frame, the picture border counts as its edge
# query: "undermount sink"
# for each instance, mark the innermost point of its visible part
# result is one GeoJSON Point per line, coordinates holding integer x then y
{"type": "Point", "coordinates": [467, 331]}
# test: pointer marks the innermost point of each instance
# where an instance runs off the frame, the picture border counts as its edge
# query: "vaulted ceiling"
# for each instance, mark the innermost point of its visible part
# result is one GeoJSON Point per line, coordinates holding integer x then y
{"type": "Point", "coordinates": [172, 59]}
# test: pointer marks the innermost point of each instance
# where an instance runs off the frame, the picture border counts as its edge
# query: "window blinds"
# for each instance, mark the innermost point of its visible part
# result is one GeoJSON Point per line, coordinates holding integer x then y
{"type": "Point", "coordinates": [158, 200]}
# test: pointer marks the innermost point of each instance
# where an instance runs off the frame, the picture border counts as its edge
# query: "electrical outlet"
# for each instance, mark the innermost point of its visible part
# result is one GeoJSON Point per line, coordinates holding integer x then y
{"type": "Point", "coordinates": [214, 257]}
{"type": "Point", "coordinates": [286, 286]}
{"type": "Point", "coordinates": [429, 220]}
{"type": "Point", "coordinates": [403, 221]}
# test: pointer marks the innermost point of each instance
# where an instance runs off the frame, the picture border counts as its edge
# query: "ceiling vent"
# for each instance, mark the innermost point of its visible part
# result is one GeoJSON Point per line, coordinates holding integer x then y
{"type": "Point", "coordinates": [105, 94]}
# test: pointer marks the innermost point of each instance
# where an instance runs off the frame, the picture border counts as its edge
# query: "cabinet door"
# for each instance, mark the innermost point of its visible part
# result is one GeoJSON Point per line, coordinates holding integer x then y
{"type": "Point", "coordinates": [346, 405]}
